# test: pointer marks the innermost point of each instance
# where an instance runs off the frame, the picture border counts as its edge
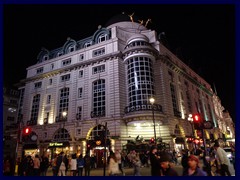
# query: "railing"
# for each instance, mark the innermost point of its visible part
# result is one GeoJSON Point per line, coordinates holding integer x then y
{"type": "Point", "coordinates": [97, 114]}
{"type": "Point", "coordinates": [144, 107]}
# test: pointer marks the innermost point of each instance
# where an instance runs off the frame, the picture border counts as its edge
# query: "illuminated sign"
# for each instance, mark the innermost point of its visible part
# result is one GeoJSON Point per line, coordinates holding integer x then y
{"type": "Point", "coordinates": [98, 143]}
{"type": "Point", "coordinates": [55, 144]}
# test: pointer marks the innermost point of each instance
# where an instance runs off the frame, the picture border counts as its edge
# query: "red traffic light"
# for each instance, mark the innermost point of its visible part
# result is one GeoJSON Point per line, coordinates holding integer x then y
{"type": "Point", "coordinates": [27, 131]}
{"type": "Point", "coordinates": [196, 118]}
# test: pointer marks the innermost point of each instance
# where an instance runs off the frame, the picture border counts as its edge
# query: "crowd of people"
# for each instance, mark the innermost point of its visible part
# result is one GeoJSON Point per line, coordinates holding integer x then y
{"type": "Point", "coordinates": [214, 162]}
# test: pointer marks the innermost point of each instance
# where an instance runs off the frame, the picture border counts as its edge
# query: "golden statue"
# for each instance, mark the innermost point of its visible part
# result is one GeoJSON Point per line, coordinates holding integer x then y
{"type": "Point", "coordinates": [131, 17]}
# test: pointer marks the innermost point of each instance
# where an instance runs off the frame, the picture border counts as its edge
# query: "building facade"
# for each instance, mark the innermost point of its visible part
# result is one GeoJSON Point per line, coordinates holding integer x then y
{"type": "Point", "coordinates": [104, 82]}
{"type": "Point", "coordinates": [10, 127]}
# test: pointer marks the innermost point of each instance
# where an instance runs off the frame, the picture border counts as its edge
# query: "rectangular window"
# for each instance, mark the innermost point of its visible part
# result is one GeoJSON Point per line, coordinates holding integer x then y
{"type": "Point", "coordinates": [52, 66]}
{"type": "Point", "coordinates": [66, 62]}
{"type": "Point", "coordinates": [39, 70]}
{"type": "Point", "coordinates": [98, 69]}
{"type": "Point", "coordinates": [78, 132]}
{"type": "Point", "coordinates": [79, 113]}
{"type": "Point", "coordinates": [81, 57]}
{"type": "Point", "coordinates": [38, 85]}
{"type": "Point", "coordinates": [81, 74]}
{"type": "Point", "coordinates": [80, 91]}
{"type": "Point", "coordinates": [48, 99]}
{"type": "Point", "coordinates": [10, 118]}
{"type": "Point", "coordinates": [98, 52]}
{"type": "Point", "coordinates": [65, 78]}
{"type": "Point", "coordinates": [50, 81]}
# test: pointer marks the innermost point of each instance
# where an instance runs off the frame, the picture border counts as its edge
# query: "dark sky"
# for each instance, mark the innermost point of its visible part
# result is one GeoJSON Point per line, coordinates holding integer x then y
{"type": "Point", "coordinates": [203, 36]}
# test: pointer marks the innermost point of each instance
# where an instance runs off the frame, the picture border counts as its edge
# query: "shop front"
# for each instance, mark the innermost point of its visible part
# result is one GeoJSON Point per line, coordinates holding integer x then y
{"type": "Point", "coordinates": [57, 147]}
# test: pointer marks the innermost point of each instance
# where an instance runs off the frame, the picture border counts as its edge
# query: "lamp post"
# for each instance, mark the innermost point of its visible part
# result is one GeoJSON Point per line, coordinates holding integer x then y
{"type": "Point", "coordinates": [64, 114]}
{"type": "Point", "coordinates": [152, 100]}
{"type": "Point", "coordinates": [190, 119]}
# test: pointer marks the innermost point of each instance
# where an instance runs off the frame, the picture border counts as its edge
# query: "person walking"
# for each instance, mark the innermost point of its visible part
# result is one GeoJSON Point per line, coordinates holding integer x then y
{"type": "Point", "coordinates": [36, 165]}
{"type": "Point", "coordinates": [166, 169]}
{"type": "Point", "coordinates": [184, 160]}
{"type": "Point", "coordinates": [155, 167]}
{"type": "Point", "coordinates": [221, 156]}
{"type": "Point", "coordinates": [44, 165]}
{"type": "Point", "coordinates": [136, 164]}
{"type": "Point", "coordinates": [73, 165]}
{"type": "Point", "coordinates": [80, 165]}
{"type": "Point", "coordinates": [87, 164]}
{"type": "Point", "coordinates": [113, 168]}
{"type": "Point", "coordinates": [61, 164]}
{"type": "Point", "coordinates": [119, 160]}
{"type": "Point", "coordinates": [193, 167]}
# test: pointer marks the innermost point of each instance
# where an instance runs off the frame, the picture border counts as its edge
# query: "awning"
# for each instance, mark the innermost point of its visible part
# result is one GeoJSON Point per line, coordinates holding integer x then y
{"type": "Point", "coordinates": [30, 146]}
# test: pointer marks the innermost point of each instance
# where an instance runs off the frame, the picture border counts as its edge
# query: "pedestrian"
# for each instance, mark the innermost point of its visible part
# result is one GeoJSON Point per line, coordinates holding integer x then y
{"type": "Point", "coordinates": [80, 165]}
{"type": "Point", "coordinates": [73, 165]}
{"type": "Point", "coordinates": [136, 164]}
{"type": "Point", "coordinates": [54, 165]}
{"type": "Point", "coordinates": [233, 156]}
{"type": "Point", "coordinates": [165, 167]}
{"type": "Point", "coordinates": [36, 165]}
{"type": "Point", "coordinates": [221, 156]}
{"type": "Point", "coordinates": [61, 164]}
{"type": "Point", "coordinates": [44, 165]}
{"type": "Point", "coordinates": [193, 167]}
{"type": "Point", "coordinates": [184, 160]}
{"type": "Point", "coordinates": [87, 164]}
{"type": "Point", "coordinates": [119, 159]}
{"type": "Point", "coordinates": [113, 168]}
{"type": "Point", "coordinates": [154, 158]}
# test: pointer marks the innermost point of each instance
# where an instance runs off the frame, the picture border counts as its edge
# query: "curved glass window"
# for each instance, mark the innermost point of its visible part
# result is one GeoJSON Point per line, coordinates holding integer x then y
{"type": "Point", "coordinates": [140, 80]}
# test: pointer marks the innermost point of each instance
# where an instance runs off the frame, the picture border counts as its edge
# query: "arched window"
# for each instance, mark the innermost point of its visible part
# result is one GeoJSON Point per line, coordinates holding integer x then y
{"type": "Point", "coordinates": [102, 38]}
{"type": "Point", "coordinates": [61, 135]}
{"type": "Point", "coordinates": [87, 44]}
{"type": "Point", "coordinates": [71, 48]}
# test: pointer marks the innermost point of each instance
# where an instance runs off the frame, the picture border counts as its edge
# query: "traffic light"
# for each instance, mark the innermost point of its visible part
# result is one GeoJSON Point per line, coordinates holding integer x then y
{"type": "Point", "coordinates": [26, 134]}
{"type": "Point", "coordinates": [26, 131]}
{"type": "Point", "coordinates": [197, 121]}
{"type": "Point", "coordinates": [152, 140]}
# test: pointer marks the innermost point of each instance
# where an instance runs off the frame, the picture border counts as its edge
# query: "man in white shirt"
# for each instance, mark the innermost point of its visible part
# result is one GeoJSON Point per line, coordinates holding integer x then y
{"type": "Point", "coordinates": [119, 160]}
{"type": "Point", "coordinates": [223, 159]}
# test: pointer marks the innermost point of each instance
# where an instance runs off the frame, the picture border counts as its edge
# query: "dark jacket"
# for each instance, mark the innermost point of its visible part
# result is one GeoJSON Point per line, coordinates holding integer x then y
{"type": "Point", "coordinates": [198, 172]}
{"type": "Point", "coordinates": [169, 172]}
{"type": "Point", "coordinates": [155, 166]}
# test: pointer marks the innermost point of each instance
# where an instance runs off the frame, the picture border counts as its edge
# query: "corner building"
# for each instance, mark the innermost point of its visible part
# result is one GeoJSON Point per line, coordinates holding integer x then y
{"type": "Point", "coordinates": [104, 81]}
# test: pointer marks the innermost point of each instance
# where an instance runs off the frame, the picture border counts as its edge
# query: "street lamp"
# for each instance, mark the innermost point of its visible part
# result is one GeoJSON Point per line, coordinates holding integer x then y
{"type": "Point", "coordinates": [64, 114]}
{"type": "Point", "coordinates": [152, 100]}
{"type": "Point", "coordinates": [190, 119]}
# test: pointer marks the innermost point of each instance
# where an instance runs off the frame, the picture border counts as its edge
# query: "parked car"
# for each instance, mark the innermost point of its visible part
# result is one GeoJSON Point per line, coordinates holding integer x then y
{"type": "Point", "coordinates": [229, 152]}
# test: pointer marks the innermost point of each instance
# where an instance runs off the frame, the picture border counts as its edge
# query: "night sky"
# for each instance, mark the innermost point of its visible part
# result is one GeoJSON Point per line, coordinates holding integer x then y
{"type": "Point", "coordinates": [202, 36]}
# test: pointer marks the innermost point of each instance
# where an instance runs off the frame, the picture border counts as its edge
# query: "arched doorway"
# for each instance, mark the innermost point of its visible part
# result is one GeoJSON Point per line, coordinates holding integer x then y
{"type": "Point", "coordinates": [96, 145]}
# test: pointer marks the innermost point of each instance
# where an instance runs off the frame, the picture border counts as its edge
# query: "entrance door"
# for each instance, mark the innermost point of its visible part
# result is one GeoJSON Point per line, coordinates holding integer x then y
{"type": "Point", "coordinates": [99, 156]}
